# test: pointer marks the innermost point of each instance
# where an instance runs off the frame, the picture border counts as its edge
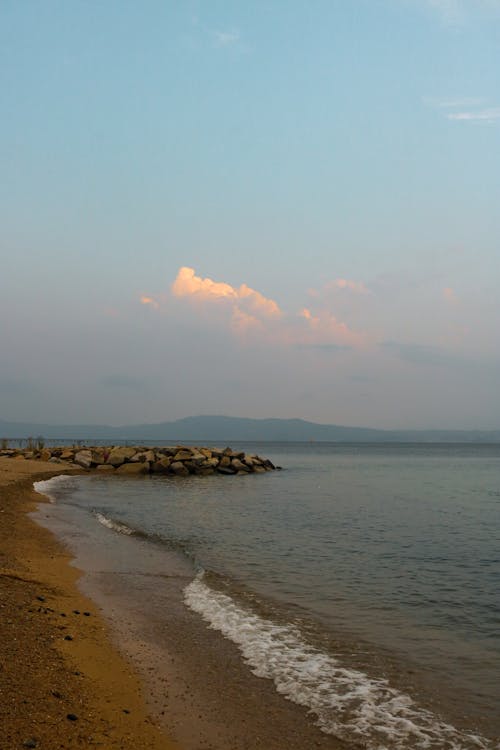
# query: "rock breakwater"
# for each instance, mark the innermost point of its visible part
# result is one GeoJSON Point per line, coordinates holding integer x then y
{"type": "Point", "coordinates": [176, 460]}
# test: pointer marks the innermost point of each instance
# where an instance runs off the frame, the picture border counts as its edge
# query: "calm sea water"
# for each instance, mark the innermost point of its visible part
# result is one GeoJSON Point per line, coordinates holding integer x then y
{"type": "Point", "coordinates": [363, 580]}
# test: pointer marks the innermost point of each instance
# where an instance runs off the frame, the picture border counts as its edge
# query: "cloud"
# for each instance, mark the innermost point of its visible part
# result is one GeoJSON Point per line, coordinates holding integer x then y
{"type": "Point", "coordinates": [490, 115]}
{"type": "Point", "coordinates": [244, 298]}
{"type": "Point", "coordinates": [452, 12]}
{"type": "Point", "coordinates": [250, 315]}
{"type": "Point", "coordinates": [467, 109]}
{"type": "Point", "coordinates": [456, 14]}
{"type": "Point", "coordinates": [353, 286]}
{"type": "Point", "coordinates": [327, 348]}
{"type": "Point", "coordinates": [455, 103]}
{"type": "Point", "coordinates": [325, 329]}
{"type": "Point", "coordinates": [150, 301]}
{"type": "Point", "coordinates": [449, 295]}
{"type": "Point", "coordinates": [226, 38]}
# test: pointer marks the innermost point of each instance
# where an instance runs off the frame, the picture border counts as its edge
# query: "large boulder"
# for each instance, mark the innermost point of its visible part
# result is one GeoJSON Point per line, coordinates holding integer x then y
{"type": "Point", "coordinates": [184, 454]}
{"type": "Point", "coordinates": [178, 468]}
{"type": "Point", "coordinates": [83, 459]}
{"type": "Point", "coordinates": [239, 465]}
{"type": "Point", "coordinates": [162, 466]}
{"type": "Point", "coordinates": [119, 454]}
{"type": "Point", "coordinates": [133, 468]}
{"type": "Point", "coordinates": [142, 456]}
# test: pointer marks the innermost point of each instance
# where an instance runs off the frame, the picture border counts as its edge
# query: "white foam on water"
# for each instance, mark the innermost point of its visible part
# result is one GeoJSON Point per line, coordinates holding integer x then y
{"type": "Point", "coordinates": [47, 487]}
{"type": "Point", "coordinates": [346, 702]}
{"type": "Point", "coordinates": [121, 528]}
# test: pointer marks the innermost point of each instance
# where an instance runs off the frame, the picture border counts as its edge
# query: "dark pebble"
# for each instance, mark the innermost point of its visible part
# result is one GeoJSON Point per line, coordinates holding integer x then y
{"type": "Point", "coordinates": [63, 614]}
{"type": "Point", "coordinates": [72, 717]}
{"type": "Point", "coordinates": [76, 611]}
{"type": "Point", "coordinates": [126, 711]}
{"type": "Point", "coordinates": [77, 673]}
{"type": "Point", "coordinates": [30, 743]}
{"type": "Point", "coordinates": [87, 614]}
{"type": "Point", "coordinates": [68, 637]}
{"type": "Point", "coordinates": [56, 694]}
{"type": "Point", "coordinates": [41, 598]}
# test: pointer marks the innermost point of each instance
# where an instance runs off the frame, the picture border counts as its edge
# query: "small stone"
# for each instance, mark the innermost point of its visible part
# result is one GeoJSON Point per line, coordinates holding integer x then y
{"type": "Point", "coordinates": [76, 611]}
{"type": "Point", "coordinates": [126, 711]}
{"type": "Point", "coordinates": [41, 598]}
{"type": "Point", "coordinates": [68, 637]}
{"type": "Point", "coordinates": [30, 743]}
{"type": "Point", "coordinates": [72, 717]}
{"type": "Point", "coordinates": [87, 614]}
{"type": "Point", "coordinates": [56, 694]}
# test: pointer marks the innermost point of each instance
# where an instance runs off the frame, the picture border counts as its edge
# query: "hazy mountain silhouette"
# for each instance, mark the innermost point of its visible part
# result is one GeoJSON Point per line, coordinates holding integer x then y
{"type": "Point", "coordinates": [239, 429]}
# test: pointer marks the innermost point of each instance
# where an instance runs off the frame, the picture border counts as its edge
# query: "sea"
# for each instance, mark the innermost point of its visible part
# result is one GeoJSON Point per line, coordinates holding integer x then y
{"type": "Point", "coordinates": [362, 581]}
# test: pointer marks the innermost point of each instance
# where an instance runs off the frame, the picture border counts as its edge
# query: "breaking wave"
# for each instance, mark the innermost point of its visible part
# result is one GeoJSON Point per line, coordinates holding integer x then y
{"type": "Point", "coordinates": [346, 702]}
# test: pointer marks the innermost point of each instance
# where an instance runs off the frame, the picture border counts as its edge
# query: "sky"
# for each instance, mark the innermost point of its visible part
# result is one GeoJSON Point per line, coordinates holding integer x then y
{"type": "Point", "coordinates": [263, 209]}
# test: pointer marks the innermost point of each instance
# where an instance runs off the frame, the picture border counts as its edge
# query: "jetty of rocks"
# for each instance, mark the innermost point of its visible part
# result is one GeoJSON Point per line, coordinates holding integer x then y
{"type": "Point", "coordinates": [179, 460]}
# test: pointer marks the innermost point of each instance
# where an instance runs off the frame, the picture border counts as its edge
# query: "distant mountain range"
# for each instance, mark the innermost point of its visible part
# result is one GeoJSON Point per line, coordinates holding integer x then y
{"type": "Point", "coordinates": [240, 429]}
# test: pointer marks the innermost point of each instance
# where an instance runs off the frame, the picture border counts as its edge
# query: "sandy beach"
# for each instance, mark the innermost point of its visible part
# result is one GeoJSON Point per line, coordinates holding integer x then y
{"type": "Point", "coordinates": [62, 683]}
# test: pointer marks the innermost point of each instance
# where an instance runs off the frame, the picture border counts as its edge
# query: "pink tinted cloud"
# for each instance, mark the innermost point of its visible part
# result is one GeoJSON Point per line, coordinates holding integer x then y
{"type": "Point", "coordinates": [324, 328]}
{"type": "Point", "coordinates": [187, 284]}
{"type": "Point", "coordinates": [352, 286]}
{"type": "Point", "coordinates": [150, 301]}
{"type": "Point", "coordinates": [250, 315]}
{"type": "Point", "coordinates": [449, 295]}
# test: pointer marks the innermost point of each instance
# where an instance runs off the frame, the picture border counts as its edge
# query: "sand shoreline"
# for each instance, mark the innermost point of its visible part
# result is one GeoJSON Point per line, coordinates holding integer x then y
{"type": "Point", "coordinates": [178, 678]}
{"type": "Point", "coordinates": [56, 662]}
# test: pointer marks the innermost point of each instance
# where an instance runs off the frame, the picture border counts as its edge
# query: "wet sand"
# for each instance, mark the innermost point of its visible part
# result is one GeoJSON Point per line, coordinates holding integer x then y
{"type": "Point", "coordinates": [62, 683]}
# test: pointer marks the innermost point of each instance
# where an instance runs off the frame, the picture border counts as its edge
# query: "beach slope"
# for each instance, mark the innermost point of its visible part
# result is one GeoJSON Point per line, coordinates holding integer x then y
{"type": "Point", "coordinates": [62, 682]}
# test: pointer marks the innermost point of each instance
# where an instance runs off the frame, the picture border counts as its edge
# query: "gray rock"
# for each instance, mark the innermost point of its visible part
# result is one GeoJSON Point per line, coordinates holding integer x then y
{"type": "Point", "coordinates": [84, 459]}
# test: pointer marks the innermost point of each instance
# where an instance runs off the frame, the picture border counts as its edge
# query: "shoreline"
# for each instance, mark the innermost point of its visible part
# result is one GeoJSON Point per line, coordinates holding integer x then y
{"type": "Point", "coordinates": [131, 681]}
{"type": "Point", "coordinates": [56, 664]}
{"type": "Point", "coordinates": [196, 684]}
{"type": "Point", "coordinates": [140, 642]}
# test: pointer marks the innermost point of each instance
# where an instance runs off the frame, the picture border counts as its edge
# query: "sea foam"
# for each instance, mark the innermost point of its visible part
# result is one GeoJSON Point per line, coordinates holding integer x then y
{"type": "Point", "coordinates": [49, 487]}
{"type": "Point", "coordinates": [346, 702]}
{"type": "Point", "coordinates": [110, 523]}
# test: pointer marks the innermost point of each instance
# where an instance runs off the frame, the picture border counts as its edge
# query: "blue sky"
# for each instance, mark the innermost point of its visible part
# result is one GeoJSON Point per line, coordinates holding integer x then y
{"type": "Point", "coordinates": [339, 160]}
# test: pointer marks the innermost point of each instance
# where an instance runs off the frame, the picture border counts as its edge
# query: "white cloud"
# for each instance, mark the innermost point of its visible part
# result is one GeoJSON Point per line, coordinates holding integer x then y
{"type": "Point", "coordinates": [467, 109]}
{"type": "Point", "coordinates": [226, 38]}
{"type": "Point", "coordinates": [458, 103]}
{"type": "Point", "coordinates": [490, 115]}
{"type": "Point", "coordinates": [455, 13]}
{"type": "Point", "coordinates": [452, 12]}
